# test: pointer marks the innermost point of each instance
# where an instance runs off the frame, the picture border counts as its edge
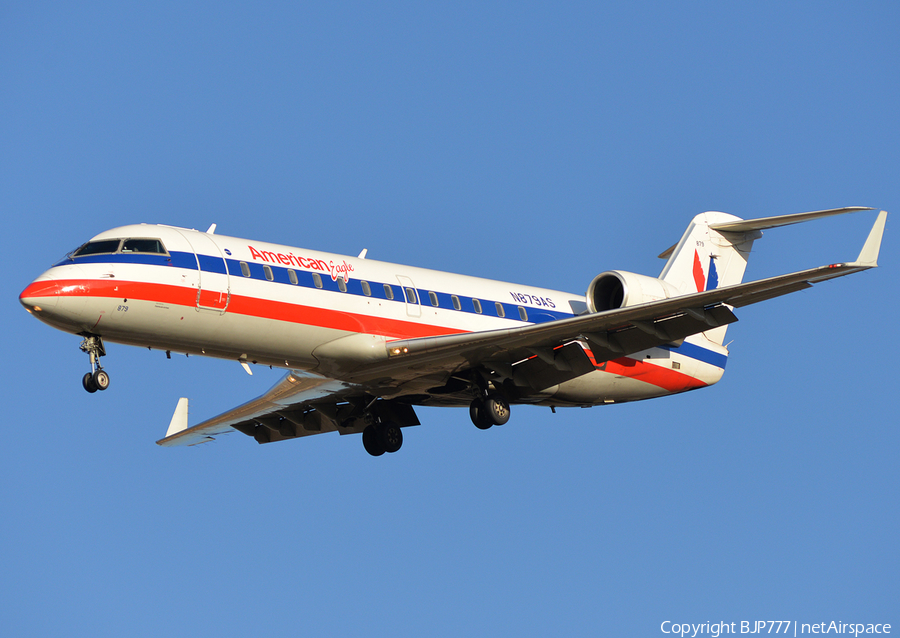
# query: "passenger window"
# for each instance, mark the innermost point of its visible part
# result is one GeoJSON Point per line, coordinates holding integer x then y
{"type": "Point", "coordinates": [98, 247]}
{"type": "Point", "coordinates": [434, 299]}
{"type": "Point", "coordinates": [456, 304]}
{"type": "Point", "coordinates": [388, 291]}
{"type": "Point", "coordinates": [317, 280]}
{"type": "Point", "coordinates": [500, 311]}
{"type": "Point", "coordinates": [523, 314]}
{"type": "Point", "coordinates": [143, 246]}
{"type": "Point", "coordinates": [477, 305]}
{"type": "Point", "coordinates": [367, 291]}
{"type": "Point", "coordinates": [342, 284]}
{"type": "Point", "coordinates": [292, 276]}
{"type": "Point", "coordinates": [411, 296]}
{"type": "Point", "coordinates": [268, 270]}
{"type": "Point", "coordinates": [245, 269]}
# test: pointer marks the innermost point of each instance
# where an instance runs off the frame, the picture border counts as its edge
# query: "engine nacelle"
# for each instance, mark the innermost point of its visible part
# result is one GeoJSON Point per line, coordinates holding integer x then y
{"type": "Point", "coordinates": [618, 289]}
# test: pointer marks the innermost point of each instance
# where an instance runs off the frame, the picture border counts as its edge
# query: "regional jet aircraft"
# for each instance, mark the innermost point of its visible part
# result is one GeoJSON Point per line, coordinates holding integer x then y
{"type": "Point", "coordinates": [365, 341]}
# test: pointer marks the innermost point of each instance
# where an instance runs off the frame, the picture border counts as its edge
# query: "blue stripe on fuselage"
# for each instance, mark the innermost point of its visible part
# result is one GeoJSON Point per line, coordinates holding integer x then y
{"type": "Point", "coordinates": [214, 264]}
{"type": "Point", "coordinates": [699, 353]}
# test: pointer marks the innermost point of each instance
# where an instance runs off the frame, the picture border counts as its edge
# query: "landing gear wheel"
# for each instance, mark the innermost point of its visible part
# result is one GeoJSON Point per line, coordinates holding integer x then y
{"type": "Point", "coordinates": [88, 382]}
{"type": "Point", "coordinates": [96, 379]}
{"type": "Point", "coordinates": [478, 415]}
{"type": "Point", "coordinates": [100, 379]}
{"type": "Point", "coordinates": [496, 409]}
{"type": "Point", "coordinates": [372, 442]}
{"type": "Point", "coordinates": [391, 437]}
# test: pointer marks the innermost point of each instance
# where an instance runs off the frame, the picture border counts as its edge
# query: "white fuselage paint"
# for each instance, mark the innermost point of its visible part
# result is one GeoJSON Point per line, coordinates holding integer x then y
{"type": "Point", "coordinates": [179, 302]}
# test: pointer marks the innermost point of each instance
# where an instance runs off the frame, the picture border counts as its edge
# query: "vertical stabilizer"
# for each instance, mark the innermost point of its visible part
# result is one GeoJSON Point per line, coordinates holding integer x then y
{"type": "Point", "coordinates": [706, 259]}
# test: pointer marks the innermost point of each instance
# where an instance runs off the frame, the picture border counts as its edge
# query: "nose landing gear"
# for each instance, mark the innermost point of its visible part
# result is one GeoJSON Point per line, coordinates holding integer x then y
{"type": "Point", "coordinates": [97, 378]}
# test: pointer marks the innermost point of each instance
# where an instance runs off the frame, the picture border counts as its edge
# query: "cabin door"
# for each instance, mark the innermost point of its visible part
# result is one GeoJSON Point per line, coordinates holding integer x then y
{"type": "Point", "coordinates": [213, 283]}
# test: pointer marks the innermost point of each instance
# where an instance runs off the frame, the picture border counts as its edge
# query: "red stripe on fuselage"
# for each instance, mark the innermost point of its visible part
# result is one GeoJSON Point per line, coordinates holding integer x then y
{"type": "Point", "coordinates": [247, 306]}
{"type": "Point", "coordinates": [665, 378]}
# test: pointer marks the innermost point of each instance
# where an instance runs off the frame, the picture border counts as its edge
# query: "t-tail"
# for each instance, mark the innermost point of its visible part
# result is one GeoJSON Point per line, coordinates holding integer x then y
{"type": "Point", "coordinates": [714, 249]}
{"type": "Point", "coordinates": [706, 259]}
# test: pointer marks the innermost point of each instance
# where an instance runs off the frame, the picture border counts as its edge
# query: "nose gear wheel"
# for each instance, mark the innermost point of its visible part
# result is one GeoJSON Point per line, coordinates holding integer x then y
{"type": "Point", "coordinates": [97, 378]}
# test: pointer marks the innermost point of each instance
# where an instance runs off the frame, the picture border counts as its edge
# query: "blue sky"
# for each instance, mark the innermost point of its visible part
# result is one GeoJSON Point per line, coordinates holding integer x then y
{"type": "Point", "coordinates": [527, 142]}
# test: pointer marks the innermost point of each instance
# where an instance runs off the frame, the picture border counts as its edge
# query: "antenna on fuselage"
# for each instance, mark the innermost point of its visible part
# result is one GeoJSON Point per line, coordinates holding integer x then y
{"type": "Point", "coordinates": [362, 255]}
{"type": "Point", "coordinates": [211, 230]}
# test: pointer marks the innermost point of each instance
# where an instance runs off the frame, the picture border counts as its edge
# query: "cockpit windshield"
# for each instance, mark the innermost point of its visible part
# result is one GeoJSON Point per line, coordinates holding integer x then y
{"type": "Point", "coordinates": [143, 246]}
{"type": "Point", "coordinates": [108, 246]}
{"type": "Point", "coordinates": [98, 247]}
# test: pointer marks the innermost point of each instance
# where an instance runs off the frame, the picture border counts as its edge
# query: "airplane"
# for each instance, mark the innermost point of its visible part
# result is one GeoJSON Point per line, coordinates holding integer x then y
{"type": "Point", "coordinates": [364, 342]}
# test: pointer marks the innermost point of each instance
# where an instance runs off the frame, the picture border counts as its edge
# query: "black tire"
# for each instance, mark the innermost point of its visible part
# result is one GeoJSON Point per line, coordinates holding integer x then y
{"type": "Point", "coordinates": [478, 415]}
{"type": "Point", "coordinates": [101, 379]}
{"type": "Point", "coordinates": [372, 442]}
{"type": "Point", "coordinates": [391, 437]}
{"type": "Point", "coordinates": [88, 382]}
{"type": "Point", "coordinates": [496, 409]}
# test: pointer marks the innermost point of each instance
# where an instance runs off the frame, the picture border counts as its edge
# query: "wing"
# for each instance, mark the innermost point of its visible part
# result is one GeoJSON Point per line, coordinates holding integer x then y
{"type": "Point", "coordinates": [625, 330]}
{"type": "Point", "coordinates": [278, 404]}
{"type": "Point", "coordinates": [304, 403]}
{"type": "Point", "coordinates": [300, 404]}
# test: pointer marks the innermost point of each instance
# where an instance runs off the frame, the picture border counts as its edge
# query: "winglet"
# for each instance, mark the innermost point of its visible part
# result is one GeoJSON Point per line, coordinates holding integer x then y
{"type": "Point", "coordinates": [868, 256]}
{"type": "Point", "coordinates": [179, 421]}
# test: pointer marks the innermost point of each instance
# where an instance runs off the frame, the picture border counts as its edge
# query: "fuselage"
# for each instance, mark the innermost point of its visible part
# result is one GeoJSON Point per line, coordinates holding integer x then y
{"type": "Point", "coordinates": [187, 291]}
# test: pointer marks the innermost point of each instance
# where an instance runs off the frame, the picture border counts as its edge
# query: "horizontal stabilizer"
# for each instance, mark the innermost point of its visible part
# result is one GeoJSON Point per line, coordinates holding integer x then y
{"type": "Point", "coordinates": [762, 223]}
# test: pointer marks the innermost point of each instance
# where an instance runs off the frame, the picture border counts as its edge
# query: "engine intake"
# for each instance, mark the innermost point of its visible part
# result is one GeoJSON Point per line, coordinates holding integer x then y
{"type": "Point", "coordinates": [619, 289]}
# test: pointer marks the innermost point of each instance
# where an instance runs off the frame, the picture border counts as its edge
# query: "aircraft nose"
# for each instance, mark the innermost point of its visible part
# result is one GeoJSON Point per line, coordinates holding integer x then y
{"type": "Point", "coordinates": [40, 295]}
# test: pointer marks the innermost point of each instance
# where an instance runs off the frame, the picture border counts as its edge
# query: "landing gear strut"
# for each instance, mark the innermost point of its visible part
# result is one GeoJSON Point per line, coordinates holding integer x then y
{"type": "Point", "coordinates": [490, 410]}
{"type": "Point", "coordinates": [379, 438]}
{"type": "Point", "coordinates": [97, 378]}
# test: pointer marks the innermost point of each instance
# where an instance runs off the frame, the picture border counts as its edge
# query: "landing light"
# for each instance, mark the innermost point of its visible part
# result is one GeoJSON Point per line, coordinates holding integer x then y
{"type": "Point", "coordinates": [36, 309]}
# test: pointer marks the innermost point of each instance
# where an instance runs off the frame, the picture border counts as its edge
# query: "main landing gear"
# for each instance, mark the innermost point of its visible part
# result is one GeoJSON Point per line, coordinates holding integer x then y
{"type": "Point", "coordinates": [97, 378]}
{"type": "Point", "coordinates": [489, 410]}
{"type": "Point", "coordinates": [379, 438]}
